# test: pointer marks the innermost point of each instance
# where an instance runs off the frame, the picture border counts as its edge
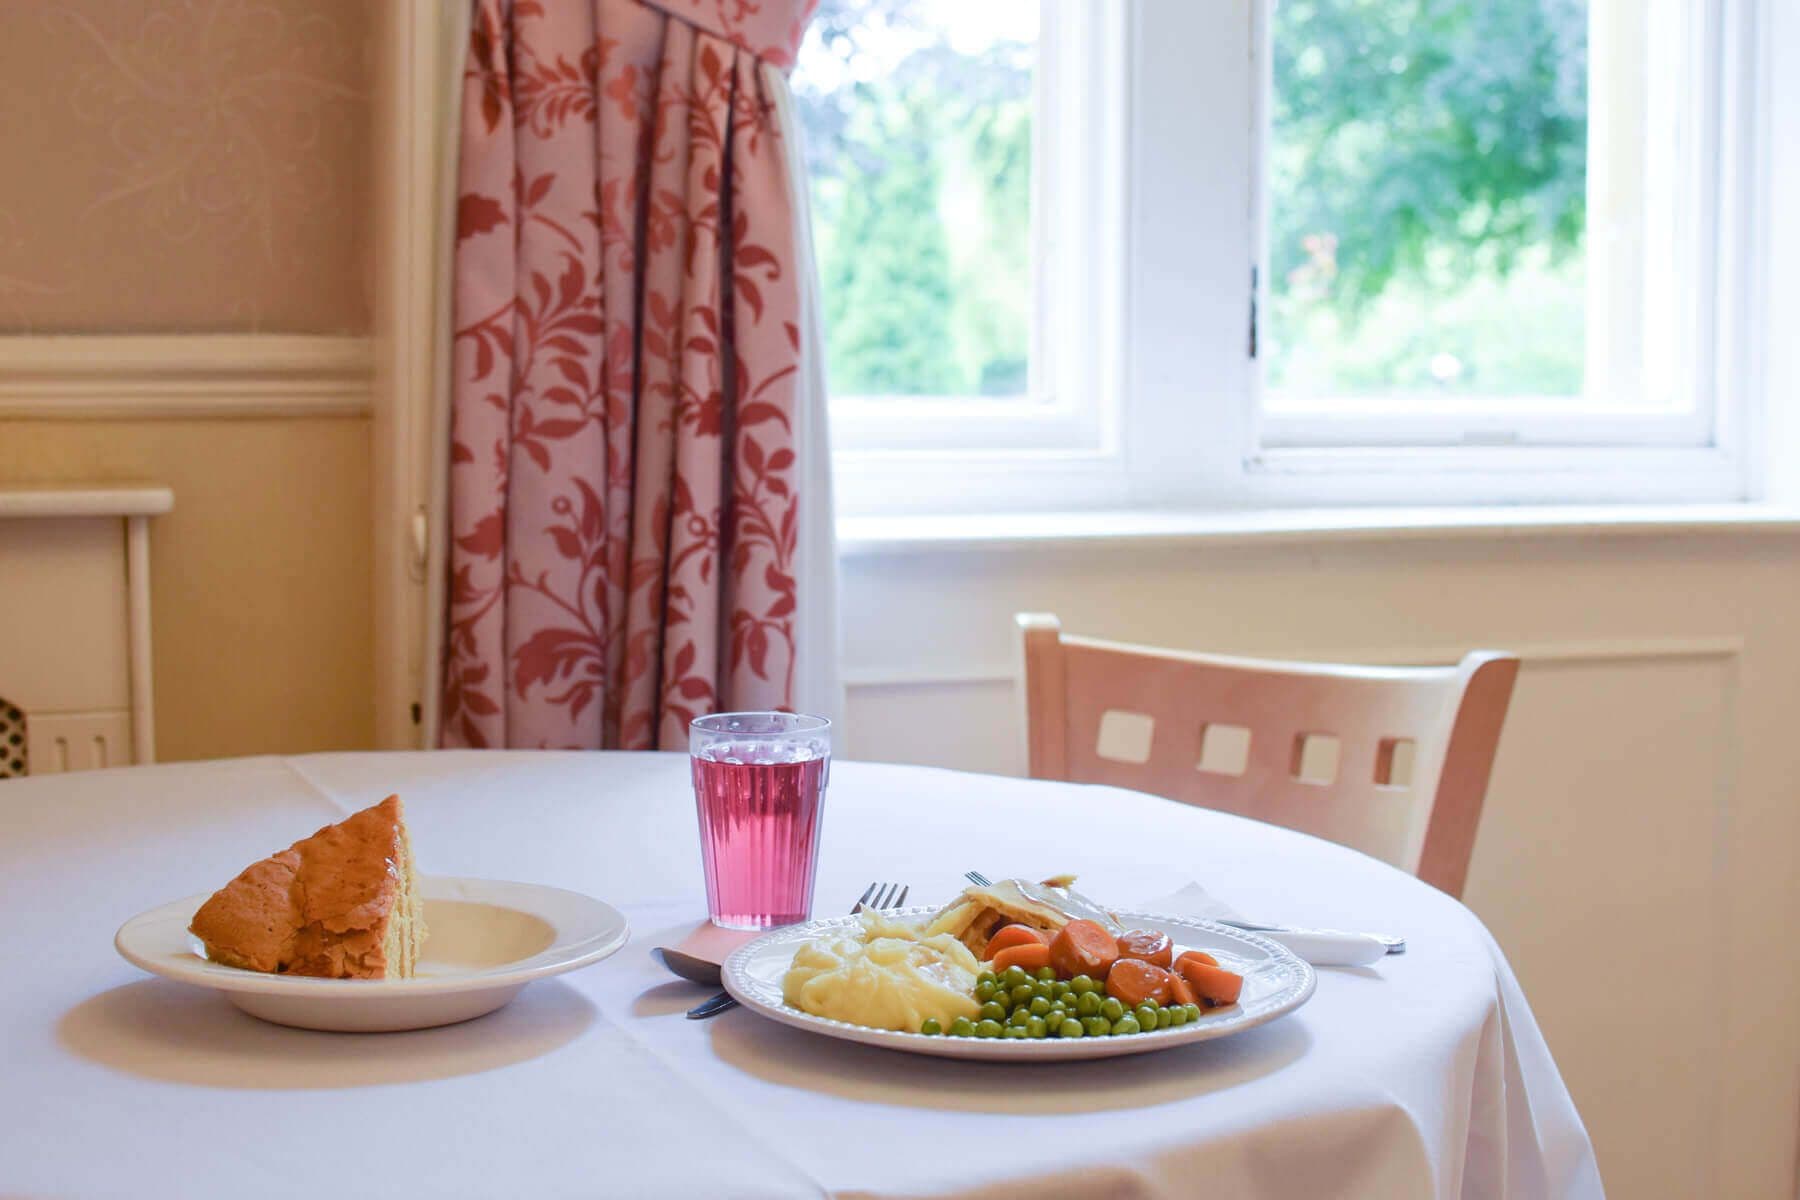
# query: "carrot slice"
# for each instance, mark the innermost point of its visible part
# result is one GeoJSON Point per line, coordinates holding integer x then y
{"type": "Point", "coordinates": [1133, 981]}
{"type": "Point", "coordinates": [1148, 945]}
{"type": "Point", "coordinates": [1031, 957]}
{"type": "Point", "coordinates": [1216, 984]}
{"type": "Point", "coordinates": [1198, 956]}
{"type": "Point", "coordinates": [1180, 991]}
{"type": "Point", "coordinates": [1016, 935]}
{"type": "Point", "coordinates": [1083, 948]}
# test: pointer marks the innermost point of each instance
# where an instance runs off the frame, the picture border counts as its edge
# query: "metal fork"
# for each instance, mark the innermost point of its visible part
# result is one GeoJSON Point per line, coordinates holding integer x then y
{"type": "Point", "coordinates": [1395, 945]}
{"type": "Point", "coordinates": [875, 897]}
{"type": "Point", "coordinates": [880, 896]}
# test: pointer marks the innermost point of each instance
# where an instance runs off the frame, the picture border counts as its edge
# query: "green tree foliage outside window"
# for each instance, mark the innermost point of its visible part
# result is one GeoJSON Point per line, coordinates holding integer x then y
{"type": "Point", "coordinates": [887, 265]}
{"type": "Point", "coordinates": [922, 204]}
{"type": "Point", "coordinates": [1427, 184]}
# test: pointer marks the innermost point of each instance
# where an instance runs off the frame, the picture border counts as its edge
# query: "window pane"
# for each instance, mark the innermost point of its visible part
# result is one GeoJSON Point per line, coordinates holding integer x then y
{"type": "Point", "coordinates": [918, 123]}
{"type": "Point", "coordinates": [1428, 201]}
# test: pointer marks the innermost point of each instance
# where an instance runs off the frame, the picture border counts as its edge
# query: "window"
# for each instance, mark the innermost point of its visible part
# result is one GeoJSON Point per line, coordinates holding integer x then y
{"type": "Point", "coordinates": [1079, 253]}
{"type": "Point", "coordinates": [963, 229]}
{"type": "Point", "coordinates": [1483, 223]}
{"type": "Point", "coordinates": [1426, 183]}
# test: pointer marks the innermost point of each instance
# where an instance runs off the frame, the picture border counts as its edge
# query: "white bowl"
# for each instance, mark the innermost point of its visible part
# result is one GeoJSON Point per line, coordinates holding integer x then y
{"type": "Point", "coordinates": [487, 940]}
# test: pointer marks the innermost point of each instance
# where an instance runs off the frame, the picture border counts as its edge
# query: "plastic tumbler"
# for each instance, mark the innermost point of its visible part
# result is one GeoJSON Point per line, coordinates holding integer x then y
{"type": "Point", "coordinates": [759, 786]}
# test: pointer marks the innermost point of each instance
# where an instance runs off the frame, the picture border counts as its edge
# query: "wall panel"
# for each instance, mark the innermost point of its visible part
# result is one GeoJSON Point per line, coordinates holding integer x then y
{"type": "Point", "coordinates": [179, 166]}
{"type": "Point", "coordinates": [195, 173]}
{"type": "Point", "coordinates": [259, 578]}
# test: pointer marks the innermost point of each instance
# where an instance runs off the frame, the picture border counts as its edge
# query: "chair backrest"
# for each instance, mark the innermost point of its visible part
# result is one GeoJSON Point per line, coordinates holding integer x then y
{"type": "Point", "coordinates": [1316, 747]}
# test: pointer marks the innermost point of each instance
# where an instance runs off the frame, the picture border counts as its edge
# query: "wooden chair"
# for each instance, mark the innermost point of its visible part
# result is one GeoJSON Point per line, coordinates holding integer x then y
{"type": "Point", "coordinates": [1315, 747]}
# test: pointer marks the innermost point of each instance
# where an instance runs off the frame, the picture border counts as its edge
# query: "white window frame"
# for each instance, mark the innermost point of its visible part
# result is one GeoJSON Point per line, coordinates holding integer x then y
{"type": "Point", "coordinates": [1628, 420]}
{"type": "Point", "coordinates": [1553, 451]}
{"type": "Point", "coordinates": [1183, 424]}
{"type": "Point", "coordinates": [1068, 419]}
{"type": "Point", "coordinates": [1074, 254]}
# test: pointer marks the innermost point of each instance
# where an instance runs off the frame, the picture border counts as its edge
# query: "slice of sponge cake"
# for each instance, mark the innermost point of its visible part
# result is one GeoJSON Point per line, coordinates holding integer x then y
{"type": "Point", "coordinates": [341, 904]}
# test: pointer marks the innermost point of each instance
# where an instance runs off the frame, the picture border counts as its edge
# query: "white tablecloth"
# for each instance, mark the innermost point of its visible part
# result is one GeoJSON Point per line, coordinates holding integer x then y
{"type": "Point", "coordinates": [1422, 1076]}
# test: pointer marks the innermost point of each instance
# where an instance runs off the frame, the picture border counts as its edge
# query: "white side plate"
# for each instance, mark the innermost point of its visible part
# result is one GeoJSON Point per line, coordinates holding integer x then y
{"type": "Point", "coordinates": [487, 940]}
{"type": "Point", "coordinates": [1276, 981]}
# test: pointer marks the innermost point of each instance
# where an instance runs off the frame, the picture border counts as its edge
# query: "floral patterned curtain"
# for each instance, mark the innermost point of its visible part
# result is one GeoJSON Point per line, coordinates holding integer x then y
{"type": "Point", "coordinates": [631, 313]}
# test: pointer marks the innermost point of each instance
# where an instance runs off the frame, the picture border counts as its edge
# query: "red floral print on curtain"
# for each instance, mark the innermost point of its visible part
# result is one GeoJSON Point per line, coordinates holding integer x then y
{"type": "Point", "coordinates": [623, 497]}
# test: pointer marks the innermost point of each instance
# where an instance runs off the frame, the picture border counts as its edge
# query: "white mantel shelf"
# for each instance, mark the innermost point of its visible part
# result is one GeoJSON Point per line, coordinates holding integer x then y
{"type": "Point", "coordinates": [84, 500]}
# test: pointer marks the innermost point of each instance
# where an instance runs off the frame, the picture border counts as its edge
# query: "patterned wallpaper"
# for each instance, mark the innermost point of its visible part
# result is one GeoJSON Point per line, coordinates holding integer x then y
{"type": "Point", "coordinates": [185, 165]}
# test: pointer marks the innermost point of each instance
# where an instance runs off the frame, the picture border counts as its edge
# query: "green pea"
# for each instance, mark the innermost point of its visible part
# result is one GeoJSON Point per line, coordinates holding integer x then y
{"type": "Point", "coordinates": [987, 977]}
{"type": "Point", "coordinates": [1096, 1027]}
{"type": "Point", "coordinates": [1150, 1003]}
{"type": "Point", "coordinates": [1193, 1012]}
{"type": "Point", "coordinates": [1178, 1015]}
{"type": "Point", "coordinates": [1112, 1008]}
{"type": "Point", "coordinates": [1070, 1028]}
{"type": "Point", "coordinates": [1083, 983]}
{"type": "Point", "coordinates": [1087, 1004]}
{"type": "Point", "coordinates": [1040, 988]}
{"type": "Point", "coordinates": [1047, 974]}
{"type": "Point", "coordinates": [1015, 975]}
{"type": "Point", "coordinates": [1146, 1016]}
{"type": "Point", "coordinates": [1165, 1018]}
{"type": "Point", "coordinates": [1039, 1006]}
{"type": "Point", "coordinates": [993, 1010]}
{"type": "Point", "coordinates": [1020, 1017]}
{"type": "Point", "coordinates": [987, 1029]}
{"type": "Point", "coordinates": [1037, 1027]}
{"type": "Point", "coordinates": [1126, 1024]}
{"type": "Point", "coordinates": [962, 1027]}
{"type": "Point", "coordinates": [1056, 1014]}
{"type": "Point", "coordinates": [1014, 1032]}
{"type": "Point", "coordinates": [931, 1027]}
{"type": "Point", "coordinates": [984, 992]}
{"type": "Point", "coordinates": [1059, 989]}
{"type": "Point", "coordinates": [1022, 994]}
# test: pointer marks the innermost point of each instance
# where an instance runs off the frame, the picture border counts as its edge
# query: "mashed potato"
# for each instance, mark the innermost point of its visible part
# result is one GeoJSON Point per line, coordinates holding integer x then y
{"type": "Point", "coordinates": [885, 975]}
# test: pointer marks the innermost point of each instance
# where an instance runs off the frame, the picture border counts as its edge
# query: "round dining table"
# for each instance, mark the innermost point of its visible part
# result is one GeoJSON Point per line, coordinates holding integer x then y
{"type": "Point", "coordinates": [1423, 1075]}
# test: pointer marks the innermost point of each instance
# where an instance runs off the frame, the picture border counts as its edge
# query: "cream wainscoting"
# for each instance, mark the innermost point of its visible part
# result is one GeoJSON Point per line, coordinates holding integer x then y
{"type": "Point", "coordinates": [260, 577]}
{"type": "Point", "coordinates": [1642, 823]}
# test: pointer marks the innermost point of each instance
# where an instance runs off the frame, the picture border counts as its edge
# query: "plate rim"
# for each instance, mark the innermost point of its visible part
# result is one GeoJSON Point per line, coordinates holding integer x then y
{"type": "Point", "coordinates": [734, 975]}
{"type": "Point", "coordinates": [609, 932]}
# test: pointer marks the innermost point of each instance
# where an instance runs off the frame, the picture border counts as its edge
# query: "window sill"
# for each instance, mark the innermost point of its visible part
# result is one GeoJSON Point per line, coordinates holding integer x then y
{"type": "Point", "coordinates": [1148, 529]}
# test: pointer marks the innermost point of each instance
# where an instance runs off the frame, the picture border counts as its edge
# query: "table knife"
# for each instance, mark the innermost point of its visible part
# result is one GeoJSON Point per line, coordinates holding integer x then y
{"type": "Point", "coordinates": [1328, 947]}
{"type": "Point", "coordinates": [707, 1008]}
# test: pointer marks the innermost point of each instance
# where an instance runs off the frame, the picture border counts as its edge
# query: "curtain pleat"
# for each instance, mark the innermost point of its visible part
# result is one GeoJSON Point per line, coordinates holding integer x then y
{"type": "Point", "coordinates": [624, 483]}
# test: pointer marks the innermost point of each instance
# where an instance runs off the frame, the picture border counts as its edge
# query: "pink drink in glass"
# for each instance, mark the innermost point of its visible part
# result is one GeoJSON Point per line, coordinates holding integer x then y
{"type": "Point", "coordinates": [759, 785]}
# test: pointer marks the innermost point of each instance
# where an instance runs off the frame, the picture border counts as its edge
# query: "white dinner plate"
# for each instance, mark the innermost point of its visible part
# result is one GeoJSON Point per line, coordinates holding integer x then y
{"type": "Point", "coordinates": [486, 940]}
{"type": "Point", "coordinates": [1276, 981]}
